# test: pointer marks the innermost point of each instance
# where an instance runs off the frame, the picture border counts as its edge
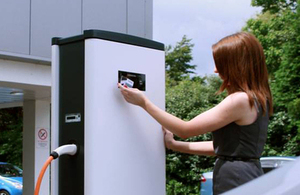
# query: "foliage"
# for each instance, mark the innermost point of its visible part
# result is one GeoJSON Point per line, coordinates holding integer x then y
{"type": "Point", "coordinates": [272, 34]}
{"type": "Point", "coordinates": [186, 100]}
{"type": "Point", "coordinates": [275, 6]}
{"type": "Point", "coordinates": [11, 126]}
{"type": "Point", "coordinates": [189, 98]}
{"type": "Point", "coordinates": [287, 77]}
{"type": "Point", "coordinates": [282, 136]}
{"type": "Point", "coordinates": [178, 60]}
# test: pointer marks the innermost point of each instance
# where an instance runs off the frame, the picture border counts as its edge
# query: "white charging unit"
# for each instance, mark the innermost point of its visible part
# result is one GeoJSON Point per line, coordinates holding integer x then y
{"type": "Point", "coordinates": [121, 147]}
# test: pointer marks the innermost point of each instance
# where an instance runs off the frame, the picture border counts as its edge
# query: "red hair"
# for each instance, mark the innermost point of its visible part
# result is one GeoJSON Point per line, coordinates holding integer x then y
{"type": "Point", "coordinates": [240, 61]}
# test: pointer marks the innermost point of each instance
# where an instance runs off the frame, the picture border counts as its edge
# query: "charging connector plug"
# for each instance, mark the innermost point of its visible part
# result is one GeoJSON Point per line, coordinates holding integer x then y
{"type": "Point", "coordinates": [70, 149]}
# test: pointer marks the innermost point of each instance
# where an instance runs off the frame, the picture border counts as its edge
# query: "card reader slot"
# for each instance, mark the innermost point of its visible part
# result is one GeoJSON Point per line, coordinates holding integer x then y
{"type": "Point", "coordinates": [73, 118]}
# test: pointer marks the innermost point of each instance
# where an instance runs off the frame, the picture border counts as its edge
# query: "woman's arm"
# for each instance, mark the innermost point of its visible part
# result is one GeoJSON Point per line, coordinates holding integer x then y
{"type": "Point", "coordinates": [199, 148]}
{"type": "Point", "coordinates": [232, 108]}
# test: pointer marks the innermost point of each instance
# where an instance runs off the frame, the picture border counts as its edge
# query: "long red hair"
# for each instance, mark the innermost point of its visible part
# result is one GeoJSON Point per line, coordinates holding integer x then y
{"type": "Point", "coordinates": [240, 61]}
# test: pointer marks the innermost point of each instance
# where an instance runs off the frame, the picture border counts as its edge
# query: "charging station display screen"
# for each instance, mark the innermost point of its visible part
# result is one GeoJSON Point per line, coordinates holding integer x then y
{"type": "Point", "coordinates": [132, 80]}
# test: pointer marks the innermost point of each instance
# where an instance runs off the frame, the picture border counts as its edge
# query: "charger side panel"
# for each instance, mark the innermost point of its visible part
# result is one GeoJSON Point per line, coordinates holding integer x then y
{"type": "Point", "coordinates": [71, 95]}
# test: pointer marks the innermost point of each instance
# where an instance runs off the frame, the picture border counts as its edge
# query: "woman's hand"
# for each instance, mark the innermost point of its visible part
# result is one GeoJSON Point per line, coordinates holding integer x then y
{"type": "Point", "coordinates": [169, 138]}
{"type": "Point", "coordinates": [133, 96]}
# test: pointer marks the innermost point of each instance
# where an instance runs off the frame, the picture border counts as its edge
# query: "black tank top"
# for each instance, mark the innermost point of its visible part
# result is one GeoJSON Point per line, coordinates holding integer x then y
{"type": "Point", "coordinates": [245, 141]}
{"type": "Point", "coordinates": [238, 141]}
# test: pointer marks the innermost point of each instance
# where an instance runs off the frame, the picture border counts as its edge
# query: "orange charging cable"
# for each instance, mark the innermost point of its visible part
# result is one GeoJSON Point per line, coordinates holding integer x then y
{"type": "Point", "coordinates": [70, 149]}
{"type": "Point", "coordinates": [39, 180]}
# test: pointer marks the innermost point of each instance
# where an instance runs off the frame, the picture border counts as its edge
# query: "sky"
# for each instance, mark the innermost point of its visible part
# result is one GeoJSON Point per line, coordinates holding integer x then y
{"type": "Point", "coordinates": [203, 21]}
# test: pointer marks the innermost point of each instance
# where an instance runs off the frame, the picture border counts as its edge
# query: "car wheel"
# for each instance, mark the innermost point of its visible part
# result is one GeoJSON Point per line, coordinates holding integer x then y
{"type": "Point", "coordinates": [3, 192]}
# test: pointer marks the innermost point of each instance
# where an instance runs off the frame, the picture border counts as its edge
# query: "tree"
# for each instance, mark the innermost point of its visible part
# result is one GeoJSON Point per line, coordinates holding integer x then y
{"type": "Point", "coordinates": [287, 77]}
{"type": "Point", "coordinates": [11, 126]}
{"type": "Point", "coordinates": [275, 6]}
{"type": "Point", "coordinates": [272, 33]}
{"type": "Point", "coordinates": [178, 60]}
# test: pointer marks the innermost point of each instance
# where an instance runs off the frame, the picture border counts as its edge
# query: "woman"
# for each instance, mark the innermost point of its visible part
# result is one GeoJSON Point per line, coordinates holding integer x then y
{"type": "Point", "coordinates": [238, 124]}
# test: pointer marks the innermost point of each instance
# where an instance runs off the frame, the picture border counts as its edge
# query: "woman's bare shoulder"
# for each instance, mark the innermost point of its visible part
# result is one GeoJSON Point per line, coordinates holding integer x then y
{"type": "Point", "coordinates": [238, 99]}
{"type": "Point", "coordinates": [240, 103]}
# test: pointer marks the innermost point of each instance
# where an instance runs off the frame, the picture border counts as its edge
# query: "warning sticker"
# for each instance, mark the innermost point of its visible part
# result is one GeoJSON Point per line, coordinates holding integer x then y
{"type": "Point", "coordinates": [43, 134]}
{"type": "Point", "coordinates": [42, 138]}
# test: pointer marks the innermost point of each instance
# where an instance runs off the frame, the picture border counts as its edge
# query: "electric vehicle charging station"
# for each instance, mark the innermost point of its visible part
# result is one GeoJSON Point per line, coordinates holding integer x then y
{"type": "Point", "coordinates": [121, 148]}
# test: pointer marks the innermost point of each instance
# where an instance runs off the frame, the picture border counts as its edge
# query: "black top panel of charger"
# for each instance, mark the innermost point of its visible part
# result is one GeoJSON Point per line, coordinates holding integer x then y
{"type": "Point", "coordinates": [110, 36]}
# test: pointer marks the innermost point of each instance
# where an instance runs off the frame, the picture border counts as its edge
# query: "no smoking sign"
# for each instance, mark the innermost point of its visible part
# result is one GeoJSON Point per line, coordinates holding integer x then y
{"type": "Point", "coordinates": [42, 138]}
{"type": "Point", "coordinates": [43, 134]}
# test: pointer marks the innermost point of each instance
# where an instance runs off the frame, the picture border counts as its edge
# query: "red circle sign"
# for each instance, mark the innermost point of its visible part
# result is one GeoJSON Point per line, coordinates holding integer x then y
{"type": "Point", "coordinates": [43, 134]}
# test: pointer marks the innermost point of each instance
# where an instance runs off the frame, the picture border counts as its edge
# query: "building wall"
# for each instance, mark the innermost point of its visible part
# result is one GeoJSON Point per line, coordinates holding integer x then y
{"type": "Point", "coordinates": [27, 26]}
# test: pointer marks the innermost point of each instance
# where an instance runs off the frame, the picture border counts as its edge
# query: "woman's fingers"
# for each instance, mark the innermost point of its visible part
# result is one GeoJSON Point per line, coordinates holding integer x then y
{"type": "Point", "coordinates": [124, 91]}
{"type": "Point", "coordinates": [120, 86]}
{"type": "Point", "coordinates": [132, 95]}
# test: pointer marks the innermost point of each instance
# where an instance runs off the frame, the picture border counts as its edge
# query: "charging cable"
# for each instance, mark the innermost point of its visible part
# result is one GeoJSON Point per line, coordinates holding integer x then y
{"type": "Point", "coordinates": [70, 149]}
